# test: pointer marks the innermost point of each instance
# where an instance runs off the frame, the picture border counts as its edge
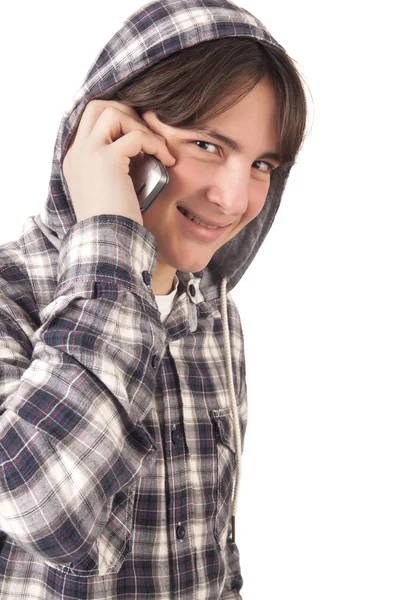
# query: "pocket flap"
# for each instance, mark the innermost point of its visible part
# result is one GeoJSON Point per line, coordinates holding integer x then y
{"type": "Point", "coordinates": [223, 425]}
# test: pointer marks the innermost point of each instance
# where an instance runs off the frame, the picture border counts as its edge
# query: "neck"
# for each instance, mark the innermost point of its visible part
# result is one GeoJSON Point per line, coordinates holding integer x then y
{"type": "Point", "coordinates": [163, 279]}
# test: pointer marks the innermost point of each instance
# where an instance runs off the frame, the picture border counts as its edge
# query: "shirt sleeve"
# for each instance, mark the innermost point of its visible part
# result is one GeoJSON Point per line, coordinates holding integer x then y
{"type": "Point", "coordinates": [72, 396]}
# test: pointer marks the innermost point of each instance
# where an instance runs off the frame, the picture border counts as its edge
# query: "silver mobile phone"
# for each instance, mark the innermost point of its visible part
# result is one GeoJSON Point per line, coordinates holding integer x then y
{"type": "Point", "coordinates": [149, 177]}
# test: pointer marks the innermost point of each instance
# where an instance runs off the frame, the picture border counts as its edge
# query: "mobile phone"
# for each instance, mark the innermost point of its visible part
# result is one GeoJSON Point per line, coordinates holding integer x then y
{"type": "Point", "coordinates": [149, 177]}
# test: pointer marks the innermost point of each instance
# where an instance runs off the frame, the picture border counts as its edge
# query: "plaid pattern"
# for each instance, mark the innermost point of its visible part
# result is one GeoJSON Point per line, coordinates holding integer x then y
{"type": "Point", "coordinates": [116, 434]}
{"type": "Point", "coordinates": [117, 450]}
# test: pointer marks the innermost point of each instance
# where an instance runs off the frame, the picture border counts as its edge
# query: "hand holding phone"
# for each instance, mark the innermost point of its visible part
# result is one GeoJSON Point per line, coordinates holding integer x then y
{"type": "Point", "coordinates": [97, 165]}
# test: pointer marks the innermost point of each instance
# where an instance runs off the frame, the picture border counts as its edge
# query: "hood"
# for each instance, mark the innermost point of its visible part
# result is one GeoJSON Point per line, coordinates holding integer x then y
{"type": "Point", "coordinates": [149, 35]}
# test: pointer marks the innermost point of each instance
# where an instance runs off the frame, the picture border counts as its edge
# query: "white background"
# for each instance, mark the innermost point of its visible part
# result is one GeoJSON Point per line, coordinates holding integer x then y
{"type": "Point", "coordinates": [319, 510]}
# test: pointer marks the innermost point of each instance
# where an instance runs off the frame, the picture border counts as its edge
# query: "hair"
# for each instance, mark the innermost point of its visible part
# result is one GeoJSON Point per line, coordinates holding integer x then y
{"type": "Point", "coordinates": [201, 82]}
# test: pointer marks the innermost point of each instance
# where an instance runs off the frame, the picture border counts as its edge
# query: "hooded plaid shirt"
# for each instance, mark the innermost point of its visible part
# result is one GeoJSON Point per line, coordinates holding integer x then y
{"type": "Point", "coordinates": [117, 435]}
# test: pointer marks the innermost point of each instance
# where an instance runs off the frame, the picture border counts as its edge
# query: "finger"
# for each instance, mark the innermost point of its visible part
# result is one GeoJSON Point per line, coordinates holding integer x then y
{"type": "Point", "coordinates": [94, 110]}
{"type": "Point", "coordinates": [112, 124]}
{"type": "Point", "coordinates": [141, 141]}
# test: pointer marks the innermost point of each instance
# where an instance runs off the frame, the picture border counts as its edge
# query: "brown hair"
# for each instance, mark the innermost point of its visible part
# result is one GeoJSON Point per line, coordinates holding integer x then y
{"type": "Point", "coordinates": [193, 85]}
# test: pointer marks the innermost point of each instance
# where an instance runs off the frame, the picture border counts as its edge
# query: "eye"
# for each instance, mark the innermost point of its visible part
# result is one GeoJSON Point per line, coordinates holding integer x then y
{"type": "Point", "coordinates": [267, 166]}
{"type": "Point", "coordinates": [206, 144]}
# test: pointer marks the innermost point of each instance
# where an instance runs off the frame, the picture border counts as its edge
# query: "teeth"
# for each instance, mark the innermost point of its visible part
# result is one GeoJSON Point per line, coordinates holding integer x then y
{"type": "Point", "coordinates": [193, 218]}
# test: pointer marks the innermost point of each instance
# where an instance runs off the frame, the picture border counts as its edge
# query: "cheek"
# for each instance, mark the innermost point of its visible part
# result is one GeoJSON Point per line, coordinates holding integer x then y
{"type": "Point", "coordinates": [256, 202]}
{"type": "Point", "coordinates": [186, 174]}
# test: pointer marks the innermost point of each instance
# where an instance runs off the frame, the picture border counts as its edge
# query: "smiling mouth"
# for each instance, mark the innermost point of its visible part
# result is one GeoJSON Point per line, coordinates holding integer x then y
{"type": "Point", "coordinates": [191, 217]}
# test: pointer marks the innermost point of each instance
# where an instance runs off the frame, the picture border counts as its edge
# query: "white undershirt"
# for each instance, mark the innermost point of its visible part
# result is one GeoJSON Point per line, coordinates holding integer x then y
{"type": "Point", "coordinates": [165, 303]}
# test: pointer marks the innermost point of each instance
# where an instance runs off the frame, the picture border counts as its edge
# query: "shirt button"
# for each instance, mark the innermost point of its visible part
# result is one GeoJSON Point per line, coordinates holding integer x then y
{"type": "Point", "coordinates": [176, 436]}
{"type": "Point", "coordinates": [180, 532]}
{"type": "Point", "coordinates": [154, 361]}
{"type": "Point", "coordinates": [192, 290]}
{"type": "Point", "coordinates": [146, 277]}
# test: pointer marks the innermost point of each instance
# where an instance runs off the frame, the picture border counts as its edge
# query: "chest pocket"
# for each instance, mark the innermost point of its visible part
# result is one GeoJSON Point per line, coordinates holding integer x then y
{"type": "Point", "coordinates": [226, 468]}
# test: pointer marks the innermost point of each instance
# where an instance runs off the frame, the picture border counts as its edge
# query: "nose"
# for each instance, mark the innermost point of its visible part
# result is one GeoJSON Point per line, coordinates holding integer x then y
{"type": "Point", "coordinates": [230, 193]}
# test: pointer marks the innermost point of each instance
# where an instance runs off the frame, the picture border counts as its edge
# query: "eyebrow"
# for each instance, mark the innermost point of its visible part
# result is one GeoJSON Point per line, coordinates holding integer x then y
{"type": "Point", "coordinates": [232, 144]}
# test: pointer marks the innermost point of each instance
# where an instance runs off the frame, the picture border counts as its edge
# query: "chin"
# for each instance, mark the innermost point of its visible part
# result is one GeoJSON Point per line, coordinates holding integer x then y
{"type": "Point", "coordinates": [187, 265]}
{"type": "Point", "coordinates": [191, 267]}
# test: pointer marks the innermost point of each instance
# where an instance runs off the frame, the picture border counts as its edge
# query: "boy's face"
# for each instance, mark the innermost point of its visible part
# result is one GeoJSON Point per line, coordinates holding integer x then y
{"type": "Point", "coordinates": [214, 182]}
